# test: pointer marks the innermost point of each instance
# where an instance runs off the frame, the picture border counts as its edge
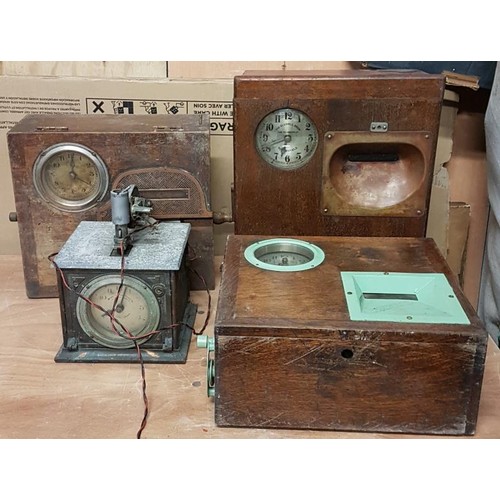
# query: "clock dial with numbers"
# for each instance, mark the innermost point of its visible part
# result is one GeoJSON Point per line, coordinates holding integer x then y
{"type": "Point", "coordinates": [133, 304]}
{"type": "Point", "coordinates": [70, 177]}
{"type": "Point", "coordinates": [286, 139]}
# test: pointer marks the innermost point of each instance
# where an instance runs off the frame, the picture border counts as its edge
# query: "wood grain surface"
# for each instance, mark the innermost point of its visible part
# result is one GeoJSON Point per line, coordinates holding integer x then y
{"type": "Point", "coordinates": [43, 399]}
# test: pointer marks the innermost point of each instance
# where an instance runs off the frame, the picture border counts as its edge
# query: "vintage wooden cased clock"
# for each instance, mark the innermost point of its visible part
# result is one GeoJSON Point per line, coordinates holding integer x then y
{"type": "Point", "coordinates": [64, 167]}
{"type": "Point", "coordinates": [109, 305]}
{"type": "Point", "coordinates": [334, 152]}
{"type": "Point", "coordinates": [344, 333]}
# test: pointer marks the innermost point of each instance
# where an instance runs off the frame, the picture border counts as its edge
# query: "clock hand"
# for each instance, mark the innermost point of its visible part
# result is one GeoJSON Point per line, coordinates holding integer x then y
{"type": "Point", "coordinates": [72, 167]}
{"type": "Point", "coordinates": [72, 172]}
{"type": "Point", "coordinates": [276, 142]}
{"type": "Point", "coordinates": [286, 139]}
{"type": "Point", "coordinates": [120, 307]}
{"type": "Point", "coordinates": [117, 307]}
{"type": "Point", "coordinates": [82, 180]}
{"type": "Point", "coordinates": [74, 176]}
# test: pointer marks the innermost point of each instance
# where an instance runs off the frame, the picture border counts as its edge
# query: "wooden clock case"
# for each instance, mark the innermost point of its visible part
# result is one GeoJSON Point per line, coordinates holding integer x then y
{"type": "Point", "coordinates": [372, 171]}
{"type": "Point", "coordinates": [166, 157]}
{"type": "Point", "coordinates": [287, 354]}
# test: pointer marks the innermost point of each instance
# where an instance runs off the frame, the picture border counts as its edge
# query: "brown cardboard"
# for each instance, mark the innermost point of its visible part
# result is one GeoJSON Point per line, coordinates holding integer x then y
{"type": "Point", "coordinates": [459, 222]}
{"type": "Point", "coordinates": [86, 69]}
{"type": "Point", "coordinates": [439, 207]}
{"type": "Point", "coordinates": [468, 184]}
{"type": "Point", "coordinates": [156, 69]}
{"type": "Point", "coordinates": [229, 69]}
{"type": "Point", "coordinates": [459, 80]}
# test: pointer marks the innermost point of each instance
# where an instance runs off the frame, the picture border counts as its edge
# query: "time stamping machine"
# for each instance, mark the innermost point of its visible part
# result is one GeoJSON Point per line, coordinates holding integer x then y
{"type": "Point", "coordinates": [123, 284]}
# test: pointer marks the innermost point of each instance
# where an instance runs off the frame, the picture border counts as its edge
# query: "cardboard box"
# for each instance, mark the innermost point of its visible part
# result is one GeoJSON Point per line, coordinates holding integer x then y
{"type": "Point", "coordinates": [458, 235]}
{"type": "Point", "coordinates": [467, 170]}
{"type": "Point", "coordinates": [439, 206]}
{"type": "Point", "coordinates": [229, 69]}
{"type": "Point", "coordinates": [37, 95]}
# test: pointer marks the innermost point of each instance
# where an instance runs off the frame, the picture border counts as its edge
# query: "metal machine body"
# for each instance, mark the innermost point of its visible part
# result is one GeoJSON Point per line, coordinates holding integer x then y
{"type": "Point", "coordinates": [112, 303]}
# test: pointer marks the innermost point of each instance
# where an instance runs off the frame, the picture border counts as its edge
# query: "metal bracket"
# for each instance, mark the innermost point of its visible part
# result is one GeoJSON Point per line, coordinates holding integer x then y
{"type": "Point", "coordinates": [72, 344]}
{"type": "Point", "coordinates": [379, 127]}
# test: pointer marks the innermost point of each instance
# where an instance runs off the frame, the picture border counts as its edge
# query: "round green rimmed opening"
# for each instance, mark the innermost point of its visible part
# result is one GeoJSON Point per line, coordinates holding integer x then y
{"type": "Point", "coordinates": [284, 255]}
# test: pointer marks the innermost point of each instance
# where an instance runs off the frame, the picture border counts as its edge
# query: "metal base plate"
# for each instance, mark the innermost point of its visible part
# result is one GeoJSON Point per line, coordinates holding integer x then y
{"type": "Point", "coordinates": [108, 355]}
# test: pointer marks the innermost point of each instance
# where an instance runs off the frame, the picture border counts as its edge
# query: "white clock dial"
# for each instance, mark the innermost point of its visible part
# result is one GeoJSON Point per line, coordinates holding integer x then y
{"type": "Point", "coordinates": [135, 308]}
{"type": "Point", "coordinates": [286, 138]}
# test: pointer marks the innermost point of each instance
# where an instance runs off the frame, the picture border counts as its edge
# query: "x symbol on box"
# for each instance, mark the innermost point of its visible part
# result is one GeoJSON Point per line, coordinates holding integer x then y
{"type": "Point", "coordinates": [98, 107]}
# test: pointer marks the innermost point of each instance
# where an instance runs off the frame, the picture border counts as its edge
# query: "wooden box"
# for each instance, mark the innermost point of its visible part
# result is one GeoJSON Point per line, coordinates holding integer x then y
{"type": "Point", "coordinates": [288, 355]}
{"type": "Point", "coordinates": [166, 157]}
{"type": "Point", "coordinates": [344, 153]}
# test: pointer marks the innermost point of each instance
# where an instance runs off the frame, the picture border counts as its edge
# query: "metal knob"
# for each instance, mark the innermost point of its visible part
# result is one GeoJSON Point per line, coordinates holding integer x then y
{"type": "Point", "coordinates": [206, 342]}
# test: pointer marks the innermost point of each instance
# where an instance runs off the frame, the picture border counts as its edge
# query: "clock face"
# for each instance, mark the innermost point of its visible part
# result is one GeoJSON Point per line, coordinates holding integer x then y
{"type": "Point", "coordinates": [135, 308]}
{"type": "Point", "coordinates": [286, 138]}
{"type": "Point", "coordinates": [70, 177]}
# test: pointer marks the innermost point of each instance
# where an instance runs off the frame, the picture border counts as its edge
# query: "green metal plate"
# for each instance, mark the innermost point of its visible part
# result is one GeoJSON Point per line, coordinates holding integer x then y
{"type": "Point", "coordinates": [402, 298]}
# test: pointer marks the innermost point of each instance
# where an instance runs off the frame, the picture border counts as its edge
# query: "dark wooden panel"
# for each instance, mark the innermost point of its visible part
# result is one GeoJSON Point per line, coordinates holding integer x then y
{"type": "Point", "coordinates": [308, 383]}
{"type": "Point", "coordinates": [263, 299]}
{"type": "Point", "coordinates": [325, 83]}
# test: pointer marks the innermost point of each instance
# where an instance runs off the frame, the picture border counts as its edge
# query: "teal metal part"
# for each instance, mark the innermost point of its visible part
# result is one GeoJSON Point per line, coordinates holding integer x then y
{"type": "Point", "coordinates": [204, 341]}
{"type": "Point", "coordinates": [284, 255]}
{"type": "Point", "coordinates": [402, 298]}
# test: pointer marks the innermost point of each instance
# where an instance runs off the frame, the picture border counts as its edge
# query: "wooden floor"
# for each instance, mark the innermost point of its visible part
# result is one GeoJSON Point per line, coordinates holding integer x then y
{"type": "Point", "coordinates": [43, 399]}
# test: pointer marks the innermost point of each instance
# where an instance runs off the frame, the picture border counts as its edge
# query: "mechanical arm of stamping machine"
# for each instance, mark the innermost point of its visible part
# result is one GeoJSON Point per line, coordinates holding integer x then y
{"type": "Point", "coordinates": [129, 211]}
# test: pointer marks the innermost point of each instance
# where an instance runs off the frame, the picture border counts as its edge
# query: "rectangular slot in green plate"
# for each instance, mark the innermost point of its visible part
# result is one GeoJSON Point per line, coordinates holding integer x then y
{"type": "Point", "coordinates": [402, 298]}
